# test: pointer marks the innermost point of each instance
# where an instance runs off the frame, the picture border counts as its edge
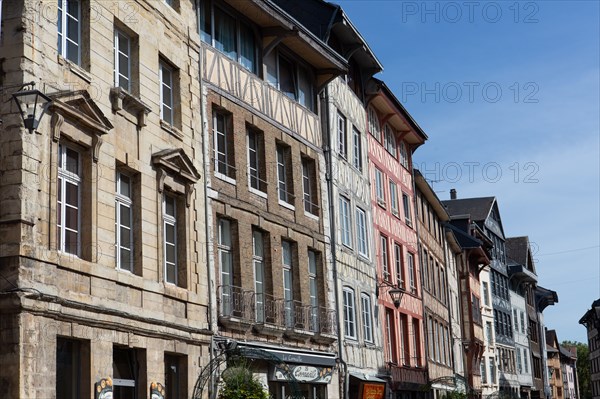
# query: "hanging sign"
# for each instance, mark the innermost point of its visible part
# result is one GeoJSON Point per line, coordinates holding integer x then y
{"type": "Point", "coordinates": [303, 373]}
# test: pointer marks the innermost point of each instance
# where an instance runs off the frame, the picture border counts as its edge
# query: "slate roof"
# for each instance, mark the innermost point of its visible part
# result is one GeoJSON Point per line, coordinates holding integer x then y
{"type": "Point", "coordinates": [516, 249]}
{"type": "Point", "coordinates": [478, 208]}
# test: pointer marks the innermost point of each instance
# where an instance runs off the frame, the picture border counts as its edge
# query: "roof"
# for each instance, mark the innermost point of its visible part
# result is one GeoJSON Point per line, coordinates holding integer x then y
{"type": "Point", "coordinates": [465, 240]}
{"type": "Point", "coordinates": [518, 250]}
{"type": "Point", "coordinates": [478, 208]}
{"type": "Point", "coordinates": [565, 351]}
{"type": "Point", "coordinates": [593, 311]}
{"type": "Point", "coordinates": [545, 297]}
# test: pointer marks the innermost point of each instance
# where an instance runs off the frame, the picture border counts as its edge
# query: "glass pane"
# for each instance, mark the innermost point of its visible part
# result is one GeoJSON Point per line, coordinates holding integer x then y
{"type": "Point", "coordinates": [124, 65]}
{"type": "Point", "coordinates": [287, 253]}
{"type": "Point", "coordinates": [169, 233]}
{"type": "Point", "coordinates": [205, 28]}
{"type": "Point", "coordinates": [225, 232]}
{"type": "Point", "coordinates": [72, 161]}
{"type": "Point", "coordinates": [312, 263]}
{"type": "Point", "coordinates": [226, 268]}
{"type": "Point", "coordinates": [73, 8]}
{"type": "Point", "coordinates": [258, 244]}
{"type": "Point", "coordinates": [170, 206]}
{"type": "Point", "coordinates": [72, 194]}
{"type": "Point", "coordinates": [125, 216]}
{"type": "Point", "coordinates": [124, 185]}
{"type": "Point", "coordinates": [123, 43]}
{"type": "Point", "coordinates": [270, 62]}
{"type": "Point", "coordinates": [304, 88]}
{"type": "Point", "coordinates": [71, 218]}
{"type": "Point", "coordinates": [171, 269]}
{"type": "Point", "coordinates": [287, 81]}
{"type": "Point", "coordinates": [247, 48]}
{"type": "Point", "coordinates": [126, 259]}
{"type": "Point", "coordinates": [170, 253]}
{"type": "Point", "coordinates": [71, 242]}
{"type": "Point", "coordinates": [225, 33]}
{"type": "Point", "coordinates": [125, 237]}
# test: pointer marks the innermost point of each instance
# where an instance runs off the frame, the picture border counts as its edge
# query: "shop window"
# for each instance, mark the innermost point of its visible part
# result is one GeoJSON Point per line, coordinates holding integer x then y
{"type": "Point", "coordinates": [72, 368]}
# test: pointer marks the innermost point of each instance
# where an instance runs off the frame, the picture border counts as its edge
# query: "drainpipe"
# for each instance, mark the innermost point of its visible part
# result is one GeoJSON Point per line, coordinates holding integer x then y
{"type": "Point", "coordinates": [209, 265]}
{"type": "Point", "coordinates": [344, 383]}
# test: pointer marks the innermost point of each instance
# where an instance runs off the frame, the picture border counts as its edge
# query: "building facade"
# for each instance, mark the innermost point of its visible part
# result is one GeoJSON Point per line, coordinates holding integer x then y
{"type": "Point", "coordinates": [591, 321]}
{"type": "Point", "coordinates": [555, 369]}
{"type": "Point", "coordinates": [104, 284]}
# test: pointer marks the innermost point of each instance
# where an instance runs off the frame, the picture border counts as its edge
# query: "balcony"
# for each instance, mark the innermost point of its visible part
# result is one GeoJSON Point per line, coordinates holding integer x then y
{"type": "Point", "coordinates": [241, 310]}
{"type": "Point", "coordinates": [230, 78]}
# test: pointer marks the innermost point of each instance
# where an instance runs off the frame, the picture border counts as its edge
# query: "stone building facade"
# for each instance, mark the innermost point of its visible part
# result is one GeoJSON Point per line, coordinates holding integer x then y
{"type": "Point", "coordinates": [103, 278]}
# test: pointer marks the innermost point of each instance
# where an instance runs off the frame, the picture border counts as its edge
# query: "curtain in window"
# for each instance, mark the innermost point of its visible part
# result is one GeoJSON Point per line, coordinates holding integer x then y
{"type": "Point", "coordinates": [205, 27]}
{"type": "Point", "coordinates": [304, 88]}
{"type": "Point", "coordinates": [287, 80]}
{"type": "Point", "coordinates": [225, 34]}
{"type": "Point", "coordinates": [247, 48]}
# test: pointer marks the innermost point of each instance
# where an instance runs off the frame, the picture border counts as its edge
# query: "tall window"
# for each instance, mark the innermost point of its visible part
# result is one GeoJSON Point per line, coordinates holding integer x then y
{"type": "Point", "coordinates": [399, 266]}
{"type": "Point", "coordinates": [526, 360]}
{"type": "Point", "coordinates": [288, 283]}
{"type": "Point", "coordinates": [374, 128]}
{"type": "Point", "coordinates": [170, 238]}
{"type": "Point", "coordinates": [284, 175]}
{"type": "Point", "coordinates": [256, 159]}
{"type": "Point", "coordinates": [407, 213]}
{"type": "Point", "coordinates": [124, 223]}
{"type": "Point", "coordinates": [403, 155]}
{"type": "Point", "coordinates": [232, 36]}
{"type": "Point", "coordinates": [342, 139]}
{"type": "Point", "coordinates": [405, 339]}
{"type": "Point", "coordinates": [492, 370]}
{"type": "Point", "coordinates": [384, 258]}
{"type": "Point", "coordinates": [349, 313]}
{"type": "Point", "coordinates": [416, 342]}
{"type": "Point", "coordinates": [314, 291]}
{"type": "Point", "coordinates": [309, 190]}
{"type": "Point", "coordinates": [367, 318]}
{"type": "Point", "coordinates": [483, 371]}
{"type": "Point", "coordinates": [165, 77]}
{"type": "Point", "coordinates": [516, 319]}
{"type": "Point", "coordinates": [486, 293]}
{"type": "Point", "coordinates": [258, 259]}
{"type": "Point", "coordinates": [72, 368]}
{"type": "Point", "coordinates": [390, 334]}
{"type": "Point", "coordinates": [122, 60]}
{"type": "Point", "coordinates": [488, 332]}
{"type": "Point", "coordinates": [519, 365]}
{"type": "Point", "coordinates": [379, 190]}
{"type": "Point", "coordinates": [389, 140]}
{"type": "Point", "coordinates": [361, 232]}
{"type": "Point", "coordinates": [345, 222]}
{"type": "Point", "coordinates": [394, 198]}
{"type": "Point", "coordinates": [224, 247]}
{"type": "Point", "coordinates": [356, 149]}
{"type": "Point", "coordinates": [290, 77]}
{"type": "Point", "coordinates": [224, 148]}
{"type": "Point", "coordinates": [69, 200]}
{"type": "Point", "coordinates": [69, 30]}
{"type": "Point", "coordinates": [412, 274]}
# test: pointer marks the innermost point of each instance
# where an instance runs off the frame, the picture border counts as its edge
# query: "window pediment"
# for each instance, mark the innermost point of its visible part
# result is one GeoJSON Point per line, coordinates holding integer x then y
{"type": "Point", "coordinates": [175, 168]}
{"type": "Point", "coordinates": [79, 106]}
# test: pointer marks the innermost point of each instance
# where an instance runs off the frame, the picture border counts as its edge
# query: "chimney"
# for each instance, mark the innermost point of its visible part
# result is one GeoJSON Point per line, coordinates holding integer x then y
{"type": "Point", "coordinates": [452, 194]}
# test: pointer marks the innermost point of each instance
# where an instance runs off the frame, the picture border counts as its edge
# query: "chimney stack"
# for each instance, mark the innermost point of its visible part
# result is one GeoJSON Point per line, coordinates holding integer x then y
{"type": "Point", "coordinates": [453, 194]}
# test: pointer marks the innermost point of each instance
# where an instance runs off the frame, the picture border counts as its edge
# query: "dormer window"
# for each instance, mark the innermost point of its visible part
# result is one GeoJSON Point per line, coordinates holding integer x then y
{"type": "Point", "coordinates": [287, 75]}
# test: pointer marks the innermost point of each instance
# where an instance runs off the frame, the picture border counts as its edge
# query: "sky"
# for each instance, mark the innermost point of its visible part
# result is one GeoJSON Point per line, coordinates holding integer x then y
{"type": "Point", "coordinates": [509, 94]}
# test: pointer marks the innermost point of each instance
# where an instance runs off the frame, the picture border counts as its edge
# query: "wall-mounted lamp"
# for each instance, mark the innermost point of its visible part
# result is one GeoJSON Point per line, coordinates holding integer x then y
{"type": "Point", "coordinates": [32, 104]}
{"type": "Point", "coordinates": [394, 292]}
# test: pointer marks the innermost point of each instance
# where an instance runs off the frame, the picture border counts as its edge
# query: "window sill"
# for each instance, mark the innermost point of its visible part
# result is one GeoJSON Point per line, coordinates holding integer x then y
{"type": "Point", "coordinates": [381, 203]}
{"type": "Point", "coordinates": [257, 192]}
{"type": "Point", "coordinates": [287, 205]}
{"type": "Point", "coordinates": [364, 257]}
{"type": "Point", "coordinates": [121, 98]}
{"type": "Point", "coordinates": [171, 129]}
{"type": "Point", "coordinates": [76, 69]}
{"type": "Point", "coordinates": [225, 178]}
{"type": "Point", "coordinates": [311, 216]}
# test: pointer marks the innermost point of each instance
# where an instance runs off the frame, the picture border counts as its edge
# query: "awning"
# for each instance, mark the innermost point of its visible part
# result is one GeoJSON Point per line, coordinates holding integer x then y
{"type": "Point", "coordinates": [293, 356]}
{"type": "Point", "coordinates": [367, 378]}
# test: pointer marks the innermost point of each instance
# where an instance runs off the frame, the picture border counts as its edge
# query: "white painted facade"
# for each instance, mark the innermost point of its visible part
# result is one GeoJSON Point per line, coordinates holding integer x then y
{"type": "Point", "coordinates": [489, 374]}
{"type": "Point", "coordinates": [519, 315]}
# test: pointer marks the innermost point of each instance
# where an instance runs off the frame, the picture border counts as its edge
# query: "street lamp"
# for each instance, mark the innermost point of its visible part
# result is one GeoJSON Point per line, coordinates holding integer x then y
{"type": "Point", "coordinates": [32, 105]}
{"type": "Point", "coordinates": [396, 295]}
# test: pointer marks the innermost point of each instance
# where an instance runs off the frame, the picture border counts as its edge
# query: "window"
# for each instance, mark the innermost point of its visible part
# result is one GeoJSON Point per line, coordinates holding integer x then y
{"type": "Point", "coordinates": [288, 283]}
{"type": "Point", "coordinates": [349, 313]}
{"type": "Point", "coordinates": [379, 190]}
{"type": "Point", "coordinates": [170, 238]}
{"type": "Point", "coordinates": [405, 339]}
{"type": "Point", "coordinates": [314, 291]}
{"type": "Point", "coordinates": [519, 365]}
{"type": "Point", "coordinates": [225, 250]}
{"type": "Point", "coordinates": [492, 370]}
{"type": "Point", "coordinates": [412, 274]}
{"type": "Point", "coordinates": [356, 149]}
{"type": "Point", "coordinates": [483, 372]}
{"type": "Point", "coordinates": [488, 332]}
{"type": "Point", "coordinates": [374, 127]}
{"type": "Point", "coordinates": [416, 342]}
{"type": "Point", "coordinates": [390, 336]}
{"type": "Point", "coordinates": [516, 318]}
{"type": "Point", "coordinates": [124, 223]}
{"type": "Point", "coordinates": [399, 266]}
{"type": "Point", "coordinates": [342, 140]}
{"type": "Point", "coordinates": [69, 30]}
{"type": "Point", "coordinates": [345, 222]}
{"type": "Point", "coordinates": [407, 214]}
{"type": "Point", "coordinates": [122, 60]}
{"type": "Point", "coordinates": [523, 322]}
{"type": "Point", "coordinates": [165, 77]}
{"type": "Point", "coordinates": [486, 293]}
{"type": "Point", "coordinates": [224, 148]}
{"type": "Point", "coordinates": [431, 340]}
{"type": "Point", "coordinates": [256, 161]}
{"type": "Point", "coordinates": [384, 258]}
{"type": "Point", "coordinates": [361, 232]}
{"type": "Point", "coordinates": [72, 368]}
{"type": "Point", "coordinates": [289, 76]}
{"type": "Point", "coordinates": [232, 36]}
{"type": "Point", "coordinates": [367, 318]}
{"type": "Point", "coordinates": [394, 198]}
{"type": "Point", "coordinates": [403, 155]}
{"type": "Point", "coordinates": [284, 175]}
{"type": "Point", "coordinates": [127, 381]}
{"type": "Point", "coordinates": [309, 179]}
{"type": "Point", "coordinates": [389, 140]}
{"type": "Point", "coordinates": [175, 376]}
{"type": "Point", "coordinates": [425, 260]}
{"type": "Point", "coordinates": [69, 200]}
{"type": "Point", "coordinates": [258, 260]}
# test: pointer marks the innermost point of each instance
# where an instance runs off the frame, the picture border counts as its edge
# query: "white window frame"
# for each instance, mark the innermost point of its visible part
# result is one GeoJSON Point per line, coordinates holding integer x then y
{"type": "Point", "coordinates": [287, 261]}
{"type": "Point", "coordinates": [384, 256]}
{"type": "Point", "coordinates": [486, 292]}
{"type": "Point", "coordinates": [379, 189]}
{"type": "Point", "coordinates": [406, 206]}
{"type": "Point", "coordinates": [225, 250]}
{"type": "Point", "coordinates": [394, 198]}
{"type": "Point", "coordinates": [284, 196]}
{"type": "Point", "coordinates": [309, 196]}
{"type": "Point", "coordinates": [254, 170]}
{"type": "Point", "coordinates": [374, 127]}
{"type": "Point", "coordinates": [362, 241]}
{"type": "Point", "coordinates": [342, 136]}
{"type": "Point", "coordinates": [170, 220]}
{"type": "Point", "coordinates": [118, 51]}
{"type": "Point", "coordinates": [403, 154]}
{"type": "Point", "coordinates": [399, 265]}
{"type": "Point", "coordinates": [64, 177]}
{"type": "Point", "coordinates": [349, 313]}
{"type": "Point", "coordinates": [367, 317]}
{"type": "Point", "coordinates": [258, 262]}
{"type": "Point", "coordinates": [313, 290]}
{"type": "Point", "coordinates": [357, 161]}
{"type": "Point", "coordinates": [412, 275]}
{"type": "Point", "coordinates": [226, 152]}
{"type": "Point", "coordinates": [345, 222]}
{"type": "Point", "coordinates": [389, 140]}
{"type": "Point", "coordinates": [165, 71]}
{"type": "Point", "coordinates": [63, 34]}
{"type": "Point", "coordinates": [123, 201]}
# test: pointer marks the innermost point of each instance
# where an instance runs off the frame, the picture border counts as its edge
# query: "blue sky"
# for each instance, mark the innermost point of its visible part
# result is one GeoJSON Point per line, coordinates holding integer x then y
{"type": "Point", "coordinates": [508, 93]}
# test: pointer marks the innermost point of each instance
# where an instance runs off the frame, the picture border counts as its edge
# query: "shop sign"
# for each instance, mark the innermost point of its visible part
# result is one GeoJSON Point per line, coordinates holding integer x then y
{"type": "Point", "coordinates": [104, 389]}
{"type": "Point", "coordinates": [157, 391]}
{"type": "Point", "coordinates": [373, 391]}
{"type": "Point", "coordinates": [302, 373]}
